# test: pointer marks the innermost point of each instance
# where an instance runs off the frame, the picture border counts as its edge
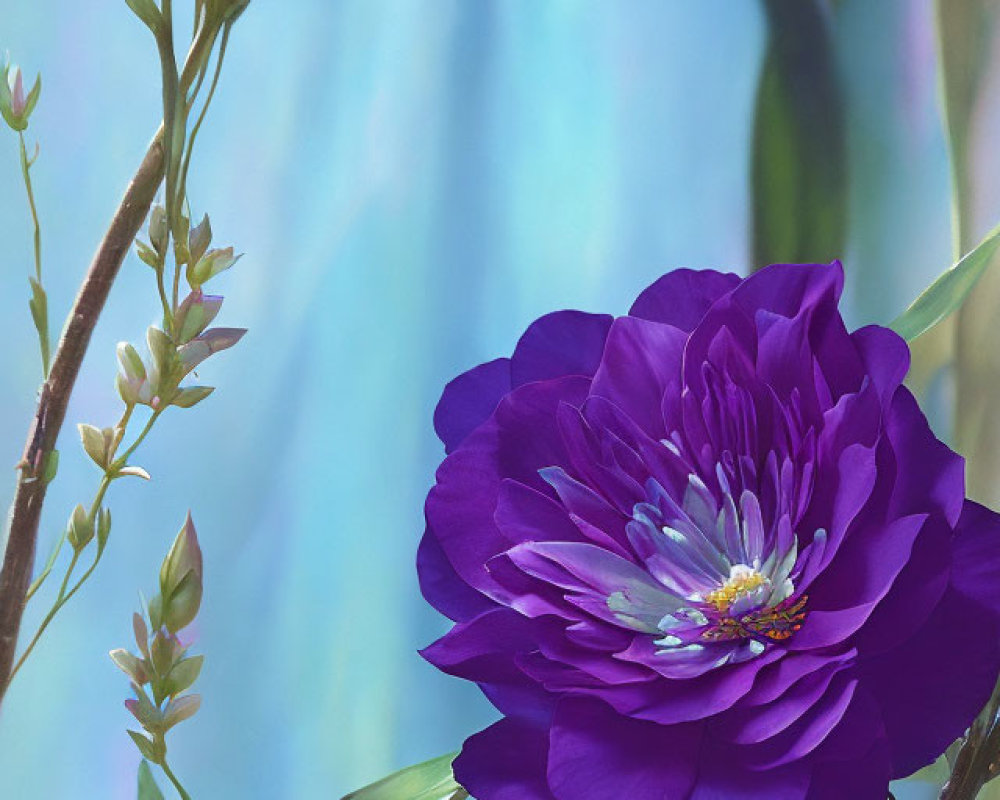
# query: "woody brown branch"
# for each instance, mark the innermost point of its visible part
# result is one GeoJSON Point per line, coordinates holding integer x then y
{"type": "Point", "coordinates": [26, 510]}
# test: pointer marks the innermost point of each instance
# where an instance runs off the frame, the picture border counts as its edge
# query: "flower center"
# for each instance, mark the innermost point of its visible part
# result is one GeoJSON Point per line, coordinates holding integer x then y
{"type": "Point", "coordinates": [741, 586]}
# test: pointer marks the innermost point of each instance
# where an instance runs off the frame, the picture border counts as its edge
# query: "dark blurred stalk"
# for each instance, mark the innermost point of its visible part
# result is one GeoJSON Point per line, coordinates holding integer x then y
{"type": "Point", "coordinates": [799, 169]}
{"type": "Point", "coordinates": [966, 31]}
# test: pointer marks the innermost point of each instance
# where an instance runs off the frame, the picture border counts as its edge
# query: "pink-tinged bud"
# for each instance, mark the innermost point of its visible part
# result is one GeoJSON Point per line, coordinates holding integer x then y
{"type": "Point", "coordinates": [17, 101]}
{"type": "Point", "coordinates": [15, 105]}
{"type": "Point", "coordinates": [195, 314]}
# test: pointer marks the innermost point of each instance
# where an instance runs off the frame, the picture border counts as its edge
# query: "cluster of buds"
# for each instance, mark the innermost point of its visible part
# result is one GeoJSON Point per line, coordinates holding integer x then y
{"type": "Point", "coordinates": [162, 670]}
{"type": "Point", "coordinates": [176, 352]}
{"type": "Point", "coordinates": [15, 106]}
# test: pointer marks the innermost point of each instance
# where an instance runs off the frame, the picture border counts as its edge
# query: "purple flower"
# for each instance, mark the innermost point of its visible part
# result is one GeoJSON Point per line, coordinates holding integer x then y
{"type": "Point", "coordinates": [707, 550]}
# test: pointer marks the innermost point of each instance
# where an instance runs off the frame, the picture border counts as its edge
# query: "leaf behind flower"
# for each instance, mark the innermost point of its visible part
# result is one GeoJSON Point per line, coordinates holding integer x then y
{"type": "Point", "coordinates": [948, 292]}
{"type": "Point", "coordinates": [431, 780]}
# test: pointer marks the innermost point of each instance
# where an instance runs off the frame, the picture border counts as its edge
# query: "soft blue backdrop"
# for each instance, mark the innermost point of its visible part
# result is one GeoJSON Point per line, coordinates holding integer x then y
{"type": "Point", "coordinates": [413, 182]}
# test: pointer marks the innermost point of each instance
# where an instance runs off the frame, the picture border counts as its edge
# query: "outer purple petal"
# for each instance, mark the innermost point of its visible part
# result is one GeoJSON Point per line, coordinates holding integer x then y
{"type": "Point", "coordinates": [723, 777]}
{"type": "Point", "coordinates": [932, 686]}
{"type": "Point", "coordinates": [858, 778]}
{"type": "Point", "coordinates": [596, 754]}
{"type": "Point", "coordinates": [886, 357]}
{"type": "Point", "coordinates": [561, 343]}
{"type": "Point", "coordinates": [515, 442]}
{"type": "Point", "coordinates": [505, 762]}
{"type": "Point", "coordinates": [483, 648]}
{"type": "Point", "coordinates": [441, 585]}
{"type": "Point", "coordinates": [787, 288]}
{"type": "Point", "coordinates": [469, 400]}
{"type": "Point", "coordinates": [681, 298]}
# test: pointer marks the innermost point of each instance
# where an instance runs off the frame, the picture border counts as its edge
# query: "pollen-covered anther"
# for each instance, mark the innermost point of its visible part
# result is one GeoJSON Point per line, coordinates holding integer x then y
{"type": "Point", "coordinates": [742, 581]}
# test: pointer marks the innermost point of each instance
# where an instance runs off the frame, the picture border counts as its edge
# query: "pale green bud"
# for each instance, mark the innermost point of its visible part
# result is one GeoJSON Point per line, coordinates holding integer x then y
{"type": "Point", "coordinates": [81, 528]}
{"type": "Point", "coordinates": [158, 229]}
{"type": "Point", "coordinates": [199, 239]}
{"type": "Point", "coordinates": [15, 107]}
{"type": "Point", "coordinates": [195, 314]}
{"type": "Point", "coordinates": [181, 579]}
{"type": "Point", "coordinates": [210, 265]}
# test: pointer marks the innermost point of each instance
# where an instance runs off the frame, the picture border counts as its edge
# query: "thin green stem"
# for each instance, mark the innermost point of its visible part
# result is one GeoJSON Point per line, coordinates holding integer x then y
{"type": "Point", "coordinates": [168, 314]}
{"type": "Point", "coordinates": [66, 593]}
{"type": "Point", "coordinates": [26, 172]}
{"type": "Point", "coordinates": [41, 322]}
{"type": "Point", "coordinates": [123, 459]}
{"type": "Point", "coordinates": [173, 779]}
{"type": "Point", "coordinates": [204, 110]}
{"type": "Point", "coordinates": [48, 618]}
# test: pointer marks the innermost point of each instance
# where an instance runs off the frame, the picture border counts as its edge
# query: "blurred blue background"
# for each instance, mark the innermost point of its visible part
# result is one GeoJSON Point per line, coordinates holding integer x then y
{"type": "Point", "coordinates": [413, 181]}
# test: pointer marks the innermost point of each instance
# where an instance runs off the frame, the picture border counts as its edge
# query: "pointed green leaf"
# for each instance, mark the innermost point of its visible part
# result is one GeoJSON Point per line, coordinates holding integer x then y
{"type": "Point", "coordinates": [184, 673]}
{"type": "Point", "coordinates": [134, 471]}
{"type": "Point", "coordinates": [130, 665]}
{"type": "Point", "coordinates": [181, 709]}
{"type": "Point", "coordinates": [148, 790]}
{"type": "Point", "coordinates": [431, 780]}
{"type": "Point", "coordinates": [191, 395]}
{"type": "Point", "coordinates": [51, 467]}
{"type": "Point", "coordinates": [146, 747]}
{"type": "Point", "coordinates": [799, 185]}
{"type": "Point", "coordinates": [103, 529]}
{"type": "Point", "coordinates": [147, 255]}
{"type": "Point", "coordinates": [948, 292]}
{"type": "Point", "coordinates": [94, 444]}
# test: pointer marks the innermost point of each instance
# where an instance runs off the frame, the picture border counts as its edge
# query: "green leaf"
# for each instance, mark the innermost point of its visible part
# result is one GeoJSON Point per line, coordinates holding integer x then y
{"type": "Point", "coordinates": [147, 255]}
{"type": "Point", "coordinates": [39, 306]}
{"type": "Point", "coordinates": [431, 780]}
{"type": "Point", "coordinates": [146, 747]}
{"type": "Point", "coordinates": [130, 665]}
{"type": "Point", "coordinates": [184, 673]}
{"type": "Point", "coordinates": [148, 790]}
{"type": "Point", "coordinates": [948, 292]}
{"type": "Point", "coordinates": [936, 773]}
{"type": "Point", "coordinates": [103, 529]}
{"type": "Point", "coordinates": [191, 395]}
{"type": "Point", "coordinates": [799, 167]}
{"type": "Point", "coordinates": [133, 471]}
{"type": "Point", "coordinates": [51, 467]}
{"type": "Point", "coordinates": [94, 444]}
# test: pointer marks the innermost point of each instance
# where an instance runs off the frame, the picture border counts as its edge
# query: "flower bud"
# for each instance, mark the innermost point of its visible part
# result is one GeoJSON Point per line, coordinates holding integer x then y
{"type": "Point", "coordinates": [15, 107]}
{"type": "Point", "coordinates": [158, 229]}
{"type": "Point", "coordinates": [131, 381]}
{"type": "Point", "coordinates": [81, 528]}
{"type": "Point", "coordinates": [181, 579]}
{"type": "Point", "coordinates": [210, 265]}
{"type": "Point", "coordinates": [199, 239]}
{"type": "Point", "coordinates": [195, 314]}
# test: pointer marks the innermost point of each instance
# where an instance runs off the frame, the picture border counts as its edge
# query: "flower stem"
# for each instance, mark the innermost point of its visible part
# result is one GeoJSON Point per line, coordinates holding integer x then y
{"type": "Point", "coordinates": [173, 779]}
{"type": "Point", "coordinates": [64, 596]}
{"type": "Point", "coordinates": [42, 322]}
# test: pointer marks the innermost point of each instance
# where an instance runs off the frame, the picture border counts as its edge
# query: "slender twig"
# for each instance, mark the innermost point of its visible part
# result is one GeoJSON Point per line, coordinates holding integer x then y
{"type": "Point", "coordinates": [173, 779]}
{"type": "Point", "coordinates": [43, 324]}
{"type": "Point", "coordinates": [63, 597]}
{"type": "Point", "coordinates": [29, 495]}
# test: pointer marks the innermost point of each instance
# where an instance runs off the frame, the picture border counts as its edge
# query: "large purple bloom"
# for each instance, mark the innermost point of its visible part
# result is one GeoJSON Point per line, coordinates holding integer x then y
{"type": "Point", "coordinates": [707, 551]}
